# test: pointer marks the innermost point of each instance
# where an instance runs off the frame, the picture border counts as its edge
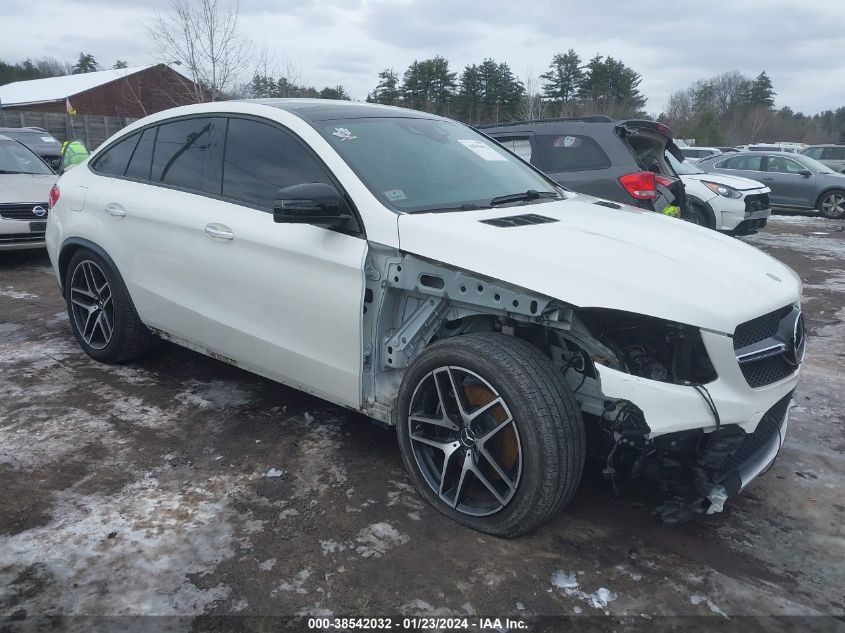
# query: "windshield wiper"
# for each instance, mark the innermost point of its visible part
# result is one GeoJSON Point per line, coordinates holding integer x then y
{"type": "Point", "coordinates": [9, 171]}
{"type": "Point", "coordinates": [462, 207]}
{"type": "Point", "coordinates": [531, 194]}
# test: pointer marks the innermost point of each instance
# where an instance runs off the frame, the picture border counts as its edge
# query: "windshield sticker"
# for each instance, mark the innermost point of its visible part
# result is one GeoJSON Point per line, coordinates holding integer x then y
{"type": "Point", "coordinates": [343, 134]}
{"type": "Point", "coordinates": [48, 139]}
{"type": "Point", "coordinates": [395, 195]}
{"type": "Point", "coordinates": [482, 149]}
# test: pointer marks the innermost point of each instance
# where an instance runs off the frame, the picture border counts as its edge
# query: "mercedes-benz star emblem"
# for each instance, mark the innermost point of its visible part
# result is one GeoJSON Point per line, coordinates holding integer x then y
{"type": "Point", "coordinates": [467, 437]}
{"type": "Point", "coordinates": [39, 211]}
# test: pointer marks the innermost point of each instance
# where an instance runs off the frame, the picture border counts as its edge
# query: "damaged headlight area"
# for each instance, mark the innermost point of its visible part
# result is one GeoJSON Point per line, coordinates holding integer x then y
{"type": "Point", "coordinates": [649, 347]}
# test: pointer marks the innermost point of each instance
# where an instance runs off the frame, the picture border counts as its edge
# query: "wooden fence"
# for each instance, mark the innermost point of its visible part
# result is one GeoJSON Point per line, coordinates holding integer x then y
{"type": "Point", "coordinates": [91, 128]}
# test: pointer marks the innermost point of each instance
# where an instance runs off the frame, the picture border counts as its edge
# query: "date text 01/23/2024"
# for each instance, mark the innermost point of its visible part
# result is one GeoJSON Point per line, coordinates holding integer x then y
{"type": "Point", "coordinates": [415, 624]}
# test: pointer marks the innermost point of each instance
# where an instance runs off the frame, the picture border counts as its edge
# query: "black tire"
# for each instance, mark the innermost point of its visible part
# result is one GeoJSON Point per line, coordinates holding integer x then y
{"type": "Point", "coordinates": [129, 338]}
{"type": "Point", "coordinates": [832, 197]}
{"type": "Point", "coordinates": [547, 424]}
{"type": "Point", "coordinates": [698, 215]}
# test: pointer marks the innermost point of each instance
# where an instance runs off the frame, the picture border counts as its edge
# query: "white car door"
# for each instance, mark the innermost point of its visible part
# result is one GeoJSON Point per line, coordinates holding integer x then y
{"type": "Point", "coordinates": [205, 262]}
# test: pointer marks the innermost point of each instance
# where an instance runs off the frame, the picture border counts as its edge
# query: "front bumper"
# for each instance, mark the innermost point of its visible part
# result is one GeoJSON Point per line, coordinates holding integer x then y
{"type": "Point", "coordinates": [669, 408]}
{"type": "Point", "coordinates": [744, 215]}
{"type": "Point", "coordinates": [21, 234]}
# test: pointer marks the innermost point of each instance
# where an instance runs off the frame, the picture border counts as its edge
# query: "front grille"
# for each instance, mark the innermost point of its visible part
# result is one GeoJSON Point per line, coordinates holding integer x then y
{"type": "Point", "coordinates": [757, 441]}
{"type": "Point", "coordinates": [760, 328]}
{"type": "Point", "coordinates": [519, 220]}
{"type": "Point", "coordinates": [21, 238]}
{"type": "Point", "coordinates": [22, 211]}
{"type": "Point", "coordinates": [756, 202]}
{"type": "Point", "coordinates": [766, 371]}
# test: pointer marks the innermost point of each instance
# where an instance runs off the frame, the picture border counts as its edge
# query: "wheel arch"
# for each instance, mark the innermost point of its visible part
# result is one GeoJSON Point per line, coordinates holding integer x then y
{"type": "Point", "coordinates": [73, 244]}
{"type": "Point", "coordinates": [827, 191]}
{"type": "Point", "coordinates": [711, 214]}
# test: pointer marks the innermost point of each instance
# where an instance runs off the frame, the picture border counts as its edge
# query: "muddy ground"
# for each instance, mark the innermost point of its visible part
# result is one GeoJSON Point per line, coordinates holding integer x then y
{"type": "Point", "coordinates": [179, 485]}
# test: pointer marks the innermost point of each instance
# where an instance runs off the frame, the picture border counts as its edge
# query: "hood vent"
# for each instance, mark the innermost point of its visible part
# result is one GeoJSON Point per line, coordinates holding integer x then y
{"type": "Point", "coordinates": [519, 220]}
{"type": "Point", "coordinates": [608, 204]}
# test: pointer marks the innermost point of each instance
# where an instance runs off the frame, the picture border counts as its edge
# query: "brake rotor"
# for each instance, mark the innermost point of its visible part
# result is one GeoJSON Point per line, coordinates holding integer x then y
{"type": "Point", "coordinates": [507, 449]}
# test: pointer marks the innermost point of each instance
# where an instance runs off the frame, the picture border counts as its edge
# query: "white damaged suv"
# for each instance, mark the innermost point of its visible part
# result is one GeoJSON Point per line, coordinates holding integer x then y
{"type": "Point", "coordinates": [402, 265]}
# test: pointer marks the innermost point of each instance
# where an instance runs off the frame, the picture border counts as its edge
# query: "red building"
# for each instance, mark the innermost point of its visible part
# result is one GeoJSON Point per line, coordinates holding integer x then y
{"type": "Point", "coordinates": [125, 92]}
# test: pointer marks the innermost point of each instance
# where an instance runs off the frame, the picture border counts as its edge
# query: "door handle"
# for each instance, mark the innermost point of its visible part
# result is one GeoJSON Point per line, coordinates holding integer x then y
{"type": "Point", "coordinates": [219, 231]}
{"type": "Point", "coordinates": [115, 209]}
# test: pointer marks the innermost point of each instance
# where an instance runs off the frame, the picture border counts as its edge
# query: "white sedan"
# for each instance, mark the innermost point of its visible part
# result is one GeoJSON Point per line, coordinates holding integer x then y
{"type": "Point", "coordinates": [400, 264]}
{"type": "Point", "coordinates": [726, 203]}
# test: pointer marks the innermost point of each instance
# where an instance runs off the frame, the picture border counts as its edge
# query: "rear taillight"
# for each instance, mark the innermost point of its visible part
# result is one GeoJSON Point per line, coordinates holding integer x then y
{"type": "Point", "coordinates": [666, 181]}
{"type": "Point", "coordinates": [55, 192]}
{"type": "Point", "coordinates": [640, 185]}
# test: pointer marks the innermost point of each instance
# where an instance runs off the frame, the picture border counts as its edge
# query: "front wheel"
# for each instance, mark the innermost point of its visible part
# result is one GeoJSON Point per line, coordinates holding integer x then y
{"type": "Point", "coordinates": [832, 204]}
{"type": "Point", "coordinates": [490, 433]}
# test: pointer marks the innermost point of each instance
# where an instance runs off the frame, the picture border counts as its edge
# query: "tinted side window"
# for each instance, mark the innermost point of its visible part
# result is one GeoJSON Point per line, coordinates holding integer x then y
{"type": "Point", "coordinates": [570, 153]}
{"type": "Point", "coordinates": [814, 152]}
{"type": "Point", "coordinates": [261, 159]}
{"type": "Point", "coordinates": [833, 153]}
{"type": "Point", "coordinates": [189, 154]}
{"type": "Point", "coordinates": [139, 164]}
{"type": "Point", "coordinates": [114, 160]}
{"type": "Point", "coordinates": [748, 163]}
{"type": "Point", "coordinates": [783, 165]}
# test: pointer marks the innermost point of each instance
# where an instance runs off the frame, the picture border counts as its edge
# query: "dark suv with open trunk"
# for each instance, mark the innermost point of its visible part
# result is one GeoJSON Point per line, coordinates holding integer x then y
{"type": "Point", "coordinates": [622, 161]}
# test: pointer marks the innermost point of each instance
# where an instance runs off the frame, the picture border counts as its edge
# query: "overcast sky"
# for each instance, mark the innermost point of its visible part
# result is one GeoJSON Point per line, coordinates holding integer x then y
{"type": "Point", "coordinates": [798, 43]}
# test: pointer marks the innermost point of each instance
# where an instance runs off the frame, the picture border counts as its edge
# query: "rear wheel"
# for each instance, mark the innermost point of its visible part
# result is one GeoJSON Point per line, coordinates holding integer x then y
{"type": "Point", "coordinates": [102, 315]}
{"type": "Point", "coordinates": [490, 433]}
{"type": "Point", "coordinates": [832, 204]}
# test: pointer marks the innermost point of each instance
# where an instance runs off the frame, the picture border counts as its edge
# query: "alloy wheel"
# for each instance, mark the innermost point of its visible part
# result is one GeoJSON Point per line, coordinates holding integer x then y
{"type": "Point", "coordinates": [465, 441]}
{"type": "Point", "coordinates": [833, 205]}
{"type": "Point", "coordinates": [91, 304]}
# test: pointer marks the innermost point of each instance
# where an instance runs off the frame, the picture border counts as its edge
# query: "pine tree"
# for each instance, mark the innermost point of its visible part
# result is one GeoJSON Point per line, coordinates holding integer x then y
{"type": "Point", "coordinates": [86, 64]}
{"type": "Point", "coordinates": [563, 80]}
{"type": "Point", "coordinates": [387, 90]}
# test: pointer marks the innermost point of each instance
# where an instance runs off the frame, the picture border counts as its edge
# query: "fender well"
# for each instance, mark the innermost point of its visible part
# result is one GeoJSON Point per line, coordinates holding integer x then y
{"type": "Point", "coordinates": [73, 244]}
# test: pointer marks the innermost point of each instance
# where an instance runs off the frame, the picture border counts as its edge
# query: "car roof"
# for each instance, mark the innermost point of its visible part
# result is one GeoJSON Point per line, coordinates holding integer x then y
{"type": "Point", "coordinates": [313, 110]}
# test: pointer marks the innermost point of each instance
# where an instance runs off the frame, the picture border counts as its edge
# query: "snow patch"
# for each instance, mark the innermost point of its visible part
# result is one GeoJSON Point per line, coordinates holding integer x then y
{"type": "Point", "coordinates": [376, 539]}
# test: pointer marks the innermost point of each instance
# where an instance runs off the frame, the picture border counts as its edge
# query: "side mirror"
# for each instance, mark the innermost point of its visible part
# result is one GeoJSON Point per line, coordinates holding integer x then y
{"type": "Point", "coordinates": [806, 173]}
{"type": "Point", "coordinates": [311, 203]}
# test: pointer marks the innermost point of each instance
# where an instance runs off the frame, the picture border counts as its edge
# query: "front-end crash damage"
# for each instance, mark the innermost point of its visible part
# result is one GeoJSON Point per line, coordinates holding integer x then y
{"type": "Point", "coordinates": [663, 402]}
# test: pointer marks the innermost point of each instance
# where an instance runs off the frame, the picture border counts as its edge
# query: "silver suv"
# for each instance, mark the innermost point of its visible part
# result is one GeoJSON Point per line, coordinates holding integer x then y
{"type": "Point", "coordinates": [831, 155]}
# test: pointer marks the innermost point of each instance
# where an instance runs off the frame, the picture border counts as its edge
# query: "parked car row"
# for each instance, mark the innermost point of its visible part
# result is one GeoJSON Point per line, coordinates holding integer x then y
{"type": "Point", "coordinates": [795, 180]}
{"type": "Point", "coordinates": [406, 266]}
{"type": "Point", "coordinates": [28, 170]}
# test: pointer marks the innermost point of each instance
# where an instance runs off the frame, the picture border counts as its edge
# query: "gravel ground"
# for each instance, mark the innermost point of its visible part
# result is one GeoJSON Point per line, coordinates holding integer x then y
{"type": "Point", "coordinates": [183, 486]}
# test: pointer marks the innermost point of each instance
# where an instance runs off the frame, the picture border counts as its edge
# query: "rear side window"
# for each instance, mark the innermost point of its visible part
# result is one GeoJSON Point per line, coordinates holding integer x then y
{"type": "Point", "coordinates": [519, 145]}
{"type": "Point", "coordinates": [569, 152]}
{"type": "Point", "coordinates": [261, 159]}
{"type": "Point", "coordinates": [189, 154]}
{"type": "Point", "coordinates": [114, 160]}
{"type": "Point", "coordinates": [139, 164]}
{"type": "Point", "coordinates": [784, 165]}
{"type": "Point", "coordinates": [748, 163]}
{"type": "Point", "coordinates": [832, 153]}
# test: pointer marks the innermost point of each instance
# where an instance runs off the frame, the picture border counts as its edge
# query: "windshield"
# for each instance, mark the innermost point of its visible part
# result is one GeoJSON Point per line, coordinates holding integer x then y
{"type": "Point", "coordinates": [417, 165]}
{"type": "Point", "coordinates": [683, 169]}
{"type": "Point", "coordinates": [31, 138]}
{"type": "Point", "coordinates": [17, 159]}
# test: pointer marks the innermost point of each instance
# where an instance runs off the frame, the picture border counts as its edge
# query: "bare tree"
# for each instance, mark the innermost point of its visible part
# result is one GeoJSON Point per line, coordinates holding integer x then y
{"type": "Point", "coordinates": [203, 36]}
{"type": "Point", "coordinates": [532, 106]}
